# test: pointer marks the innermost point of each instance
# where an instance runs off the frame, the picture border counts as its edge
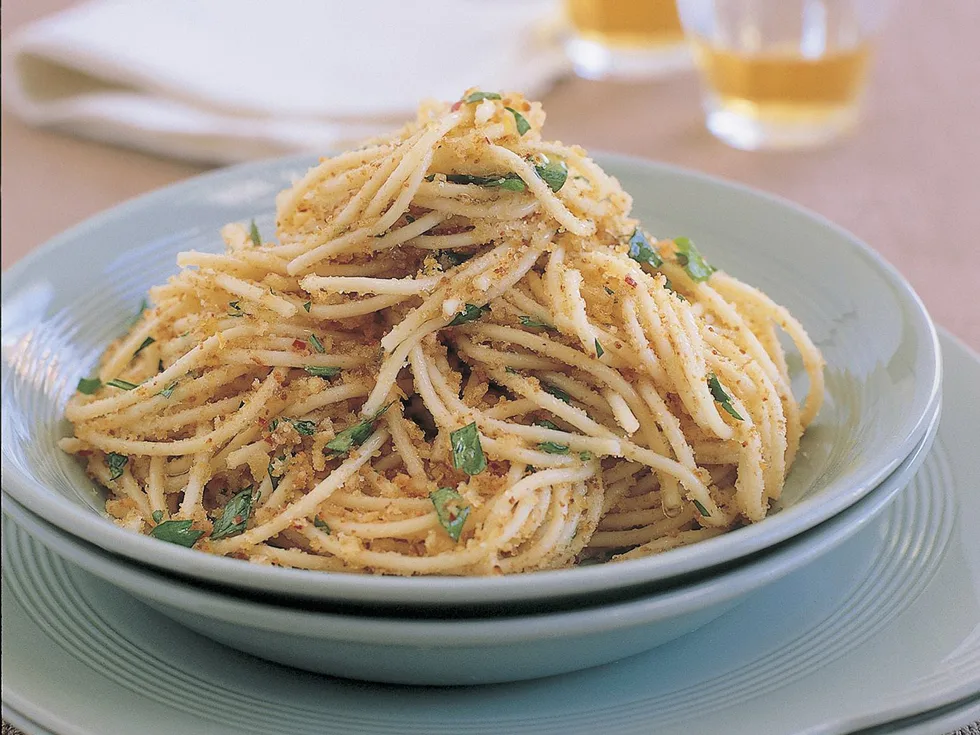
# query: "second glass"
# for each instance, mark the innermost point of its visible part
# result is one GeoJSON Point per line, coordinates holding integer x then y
{"type": "Point", "coordinates": [781, 73]}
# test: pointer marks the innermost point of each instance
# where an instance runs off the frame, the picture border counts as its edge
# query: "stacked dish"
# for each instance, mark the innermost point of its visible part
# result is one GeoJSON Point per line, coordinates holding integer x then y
{"type": "Point", "coordinates": [66, 301]}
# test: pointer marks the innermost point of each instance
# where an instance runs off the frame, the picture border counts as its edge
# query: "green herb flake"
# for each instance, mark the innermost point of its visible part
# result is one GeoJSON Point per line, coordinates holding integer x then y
{"type": "Point", "coordinates": [273, 478]}
{"type": "Point", "coordinates": [450, 258]}
{"type": "Point", "coordinates": [322, 372]}
{"type": "Point", "coordinates": [522, 124]}
{"type": "Point", "coordinates": [450, 510]}
{"type": "Point", "coordinates": [585, 456]}
{"type": "Point", "coordinates": [694, 263]}
{"type": "Point", "coordinates": [169, 390]}
{"type": "Point", "coordinates": [146, 343]}
{"type": "Point", "coordinates": [116, 463]}
{"type": "Point", "coordinates": [701, 509]}
{"type": "Point", "coordinates": [307, 305]}
{"type": "Point", "coordinates": [553, 448]}
{"type": "Point", "coordinates": [598, 349]}
{"type": "Point", "coordinates": [236, 309]}
{"type": "Point", "coordinates": [144, 305]}
{"type": "Point", "coordinates": [315, 343]}
{"type": "Point", "coordinates": [719, 394]}
{"type": "Point", "coordinates": [88, 386]}
{"type": "Point", "coordinates": [471, 312]}
{"type": "Point", "coordinates": [545, 424]}
{"type": "Point", "coordinates": [511, 370]}
{"type": "Point", "coordinates": [409, 219]}
{"type": "Point", "coordinates": [123, 384]}
{"type": "Point", "coordinates": [480, 96]}
{"type": "Point", "coordinates": [177, 532]}
{"type": "Point", "coordinates": [554, 173]}
{"type": "Point", "coordinates": [157, 516]}
{"type": "Point", "coordinates": [356, 435]}
{"type": "Point", "coordinates": [304, 428]}
{"type": "Point", "coordinates": [510, 182]}
{"type": "Point", "coordinates": [253, 234]}
{"type": "Point", "coordinates": [556, 392]}
{"type": "Point", "coordinates": [321, 524]}
{"type": "Point", "coordinates": [533, 323]}
{"type": "Point", "coordinates": [467, 452]}
{"type": "Point", "coordinates": [642, 251]}
{"type": "Point", "coordinates": [609, 291]}
{"type": "Point", "coordinates": [235, 515]}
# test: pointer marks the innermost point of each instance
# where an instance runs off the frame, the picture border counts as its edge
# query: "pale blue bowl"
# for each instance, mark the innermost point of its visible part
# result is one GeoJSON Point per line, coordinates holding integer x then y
{"type": "Point", "coordinates": [69, 298]}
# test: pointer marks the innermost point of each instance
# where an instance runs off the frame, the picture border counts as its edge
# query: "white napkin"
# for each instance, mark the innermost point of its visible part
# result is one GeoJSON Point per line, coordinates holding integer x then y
{"type": "Point", "coordinates": [229, 80]}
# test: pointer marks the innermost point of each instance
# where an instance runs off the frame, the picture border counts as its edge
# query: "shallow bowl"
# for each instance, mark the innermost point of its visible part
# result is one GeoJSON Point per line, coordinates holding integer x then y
{"type": "Point", "coordinates": [413, 649]}
{"type": "Point", "coordinates": [68, 299]}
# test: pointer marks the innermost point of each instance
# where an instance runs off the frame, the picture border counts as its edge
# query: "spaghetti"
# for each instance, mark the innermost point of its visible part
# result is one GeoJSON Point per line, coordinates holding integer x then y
{"type": "Point", "coordinates": [461, 357]}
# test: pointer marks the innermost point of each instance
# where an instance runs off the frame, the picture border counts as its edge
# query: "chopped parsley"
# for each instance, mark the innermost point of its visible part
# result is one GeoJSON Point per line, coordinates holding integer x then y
{"type": "Point", "coordinates": [719, 394]}
{"type": "Point", "coordinates": [480, 96]}
{"type": "Point", "coordinates": [533, 323]}
{"type": "Point", "coordinates": [236, 309]}
{"type": "Point", "coordinates": [307, 305]}
{"type": "Point", "coordinates": [169, 390]}
{"type": "Point", "coordinates": [88, 386]}
{"type": "Point", "coordinates": [235, 514]}
{"type": "Point", "coordinates": [522, 124]}
{"type": "Point", "coordinates": [116, 463]}
{"type": "Point", "coordinates": [553, 448]}
{"type": "Point", "coordinates": [450, 258]}
{"type": "Point", "coordinates": [598, 349]}
{"type": "Point", "coordinates": [467, 451]}
{"type": "Point", "coordinates": [177, 532]}
{"type": "Point", "coordinates": [510, 182]}
{"type": "Point", "coordinates": [157, 516]}
{"type": "Point", "coordinates": [146, 343]}
{"type": "Point", "coordinates": [585, 456]}
{"type": "Point", "coordinates": [554, 173]}
{"type": "Point", "coordinates": [642, 251]}
{"type": "Point", "coordinates": [556, 392]}
{"type": "Point", "coordinates": [701, 509]}
{"type": "Point", "coordinates": [253, 234]}
{"type": "Point", "coordinates": [321, 524]}
{"type": "Point", "coordinates": [694, 263]}
{"type": "Point", "coordinates": [356, 435]}
{"type": "Point", "coordinates": [322, 372]}
{"type": "Point", "coordinates": [471, 312]}
{"type": "Point", "coordinates": [315, 343]}
{"type": "Point", "coordinates": [123, 384]}
{"type": "Point", "coordinates": [450, 510]}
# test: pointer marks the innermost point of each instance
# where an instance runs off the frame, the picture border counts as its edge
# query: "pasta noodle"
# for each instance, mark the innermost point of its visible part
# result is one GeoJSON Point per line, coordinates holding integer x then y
{"type": "Point", "coordinates": [461, 356]}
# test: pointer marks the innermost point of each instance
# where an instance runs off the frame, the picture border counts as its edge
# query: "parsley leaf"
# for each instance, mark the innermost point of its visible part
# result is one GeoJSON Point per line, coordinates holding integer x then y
{"type": "Point", "coordinates": [522, 124]}
{"type": "Point", "coordinates": [450, 258]}
{"type": "Point", "coordinates": [274, 479]}
{"type": "Point", "coordinates": [116, 463]}
{"type": "Point", "coordinates": [688, 256]}
{"type": "Point", "coordinates": [356, 435]}
{"type": "Point", "coordinates": [544, 423]}
{"type": "Point", "coordinates": [157, 516]}
{"type": "Point", "coordinates": [528, 321]}
{"type": "Point", "coordinates": [642, 251]}
{"type": "Point", "coordinates": [177, 532]}
{"type": "Point", "coordinates": [253, 234]}
{"type": "Point", "coordinates": [235, 515]}
{"type": "Point", "coordinates": [609, 291]}
{"type": "Point", "coordinates": [467, 451]}
{"type": "Point", "coordinates": [119, 383]}
{"type": "Point", "coordinates": [480, 96]}
{"type": "Point", "coordinates": [471, 312]}
{"type": "Point", "coordinates": [719, 394]}
{"type": "Point", "coordinates": [585, 456]}
{"type": "Point", "coordinates": [315, 343]}
{"type": "Point", "coordinates": [556, 392]}
{"type": "Point", "coordinates": [451, 511]}
{"type": "Point", "coordinates": [701, 509]}
{"type": "Point", "coordinates": [510, 182]}
{"type": "Point", "coordinates": [146, 343]}
{"type": "Point", "coordinates": [553, 448]}
{"type": "Point", "coordinates": [598, 349]}
{"type": "Point", "coordinates": [236, 309]}
{"type": "Point", "coordinates": [554, 173]}
{"type": "Point", "coordinates": [304, 428]}
{"type": "Point", "coordinates": [321, 524]}
{"type": "Point", "coordinates": [322, 372]}
{"type": "Point", "coordinates": [88, 386]}
{"type": "Point", "coordinates": [169, 390]}
{"type": "Point", "coordinates": [307, 305]}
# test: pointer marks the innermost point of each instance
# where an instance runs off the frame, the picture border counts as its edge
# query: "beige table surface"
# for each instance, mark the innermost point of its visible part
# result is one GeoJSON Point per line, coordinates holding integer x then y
{"type": "Point", "coordinates": [908, 182]}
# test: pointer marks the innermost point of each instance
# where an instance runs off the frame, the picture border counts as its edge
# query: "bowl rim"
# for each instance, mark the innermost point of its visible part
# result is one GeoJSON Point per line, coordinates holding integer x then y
{"type": "Point", "coordinates": [445, 591]}
{"type": "Point", "coordinates": [753, 574]}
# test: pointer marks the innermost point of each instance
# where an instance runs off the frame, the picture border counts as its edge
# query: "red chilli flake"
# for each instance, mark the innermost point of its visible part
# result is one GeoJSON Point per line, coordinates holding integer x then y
{"type": "Point", "coordinates": [630, 282]}
{"type": "Point", "coordinates": [456, 105]}
{"type": "Point", "coordinates": [299, 345]}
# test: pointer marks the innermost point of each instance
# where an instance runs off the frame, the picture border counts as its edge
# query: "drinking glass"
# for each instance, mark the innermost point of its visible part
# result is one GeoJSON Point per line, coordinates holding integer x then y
{"type": "Point", "coordinates": [782, 73]}
{"type": "Point", "coordinates": [625, 38]}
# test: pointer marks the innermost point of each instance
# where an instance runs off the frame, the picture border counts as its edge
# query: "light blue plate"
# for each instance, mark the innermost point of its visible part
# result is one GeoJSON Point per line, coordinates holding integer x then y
{"type": "Point", "coordinates": [68, 299]}
{"type": "Point", "coordinates": [881, 629]}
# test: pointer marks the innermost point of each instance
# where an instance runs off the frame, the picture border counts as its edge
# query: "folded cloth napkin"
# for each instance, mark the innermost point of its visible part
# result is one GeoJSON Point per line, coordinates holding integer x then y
{"type": "Point", "coordinates": [229, 80]}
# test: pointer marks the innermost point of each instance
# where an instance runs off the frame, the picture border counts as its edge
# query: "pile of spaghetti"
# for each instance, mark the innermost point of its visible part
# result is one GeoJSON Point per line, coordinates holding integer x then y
{"type": "Point", "coordinates": [461, 357]}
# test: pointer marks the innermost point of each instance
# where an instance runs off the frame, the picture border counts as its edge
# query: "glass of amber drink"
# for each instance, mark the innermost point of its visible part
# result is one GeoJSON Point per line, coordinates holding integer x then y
{"type": "Point", "coordinates": [625, 38]}
{"type": "Point", "coordinates": [782, 73]}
